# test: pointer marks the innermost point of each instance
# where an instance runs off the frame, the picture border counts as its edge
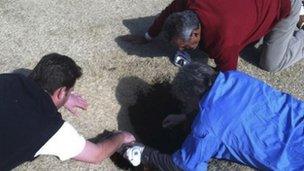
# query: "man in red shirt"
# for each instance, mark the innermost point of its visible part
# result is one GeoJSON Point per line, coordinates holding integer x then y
{"type": "Point", "coordinates": [224, 28]}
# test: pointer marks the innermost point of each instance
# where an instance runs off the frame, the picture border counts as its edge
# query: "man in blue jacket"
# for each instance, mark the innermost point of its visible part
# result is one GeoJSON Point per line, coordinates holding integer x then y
{"type": "Point", "coordinates": [240, 119]}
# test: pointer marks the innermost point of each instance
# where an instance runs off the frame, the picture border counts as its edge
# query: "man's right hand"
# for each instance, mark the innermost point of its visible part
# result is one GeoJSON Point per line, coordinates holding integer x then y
{"type": "Point", "coordinates": [134, 39]}
{"type": "Point", "coordinates": [172, 120]}
{"type": "Point", "coordinates": [126, 137]}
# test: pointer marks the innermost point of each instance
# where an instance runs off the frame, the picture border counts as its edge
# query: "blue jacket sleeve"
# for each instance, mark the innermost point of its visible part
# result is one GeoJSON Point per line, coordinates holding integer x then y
{"type": "Point", "coordinates": [196, 152]}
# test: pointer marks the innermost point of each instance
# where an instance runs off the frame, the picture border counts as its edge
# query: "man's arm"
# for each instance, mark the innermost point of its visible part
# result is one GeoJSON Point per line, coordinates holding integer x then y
{"type": "Point", "coordinates": [226, 59]}
{"type": "Point", "coordinates": [156, 27]}
{"type": "Point", "coordinates": [95, 153]}
{"type": "Point", "coordinates": [175, 119]}
{"type": "Point", "coordinates": [66, 143]}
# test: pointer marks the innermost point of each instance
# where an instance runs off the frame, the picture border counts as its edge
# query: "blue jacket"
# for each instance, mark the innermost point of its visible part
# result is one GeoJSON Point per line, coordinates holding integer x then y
{"type": "Point", "coordinates": [245, 120]}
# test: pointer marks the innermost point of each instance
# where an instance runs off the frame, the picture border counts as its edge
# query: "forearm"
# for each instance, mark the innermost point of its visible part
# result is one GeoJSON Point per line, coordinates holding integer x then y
{"type": "Point", "coordinates": [154, 158]}
{"type": "Point", "coordinates": [96, 153]}
{"type": "Point", "coordinates": [227, 60]}
{"type": "Point", "coordinates": [109, 146]}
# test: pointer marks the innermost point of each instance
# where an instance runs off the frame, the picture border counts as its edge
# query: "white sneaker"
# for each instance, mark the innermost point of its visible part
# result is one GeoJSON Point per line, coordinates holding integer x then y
{"type": "Point", "coordinates": [133, 154]}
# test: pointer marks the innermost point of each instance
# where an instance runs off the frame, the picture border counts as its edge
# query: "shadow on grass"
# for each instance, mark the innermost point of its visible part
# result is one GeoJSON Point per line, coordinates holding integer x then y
{"type": "Point", "coordinates": [143, 108]}
{"type": "Point", "coordinates": [138, 26]}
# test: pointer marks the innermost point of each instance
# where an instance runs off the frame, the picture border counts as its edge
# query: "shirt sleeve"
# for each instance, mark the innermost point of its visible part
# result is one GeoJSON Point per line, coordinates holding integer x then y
{"type": "Point", "coordinates": [195, 153]}
{"type": "Point", "coordinates": [227, 59]}
{"type": "Point", "coordinates": [175, 6]}
{"type": "Point", "coordinates": [66, 143]}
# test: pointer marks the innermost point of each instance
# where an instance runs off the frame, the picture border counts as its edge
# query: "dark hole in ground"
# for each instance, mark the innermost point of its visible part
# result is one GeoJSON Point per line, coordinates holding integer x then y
{"type": "Point", "coordinates": [146, 117]}
{"type": "Point", "coordinates": [147, 114]}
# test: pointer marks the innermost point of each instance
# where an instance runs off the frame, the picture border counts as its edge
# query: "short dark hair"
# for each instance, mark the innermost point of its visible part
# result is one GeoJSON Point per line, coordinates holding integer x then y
{"type": "Point", "coordinates": [54, 71]}
{"type": "Point", "coordinates": [181, 24]}
{"type": "Point", "coordinates": [192, 81]}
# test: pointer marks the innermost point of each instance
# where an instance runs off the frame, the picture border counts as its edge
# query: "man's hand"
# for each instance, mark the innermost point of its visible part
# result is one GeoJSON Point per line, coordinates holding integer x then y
{"type": "Point", "coordinates": [126, 137]}
{"type": "Point", "coordinates": [134, 39]}
{"type": "Point", "coordinates": [75, 101]}
{"type": "Point", "coordinates": [172, 120]}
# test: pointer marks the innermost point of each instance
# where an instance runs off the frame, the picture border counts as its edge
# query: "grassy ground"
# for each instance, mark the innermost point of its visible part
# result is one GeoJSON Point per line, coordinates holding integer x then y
{"type": "Point", "coordinates": [114, 71]}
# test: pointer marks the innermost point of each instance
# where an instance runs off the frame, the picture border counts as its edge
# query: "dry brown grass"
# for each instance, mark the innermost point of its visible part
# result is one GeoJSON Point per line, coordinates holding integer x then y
{"type": "Point", "coordinates": [87, 31]}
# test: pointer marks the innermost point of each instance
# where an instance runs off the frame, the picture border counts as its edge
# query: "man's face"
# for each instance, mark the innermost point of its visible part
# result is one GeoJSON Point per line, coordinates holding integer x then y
{"type": "Point", "coordinates": [192, 44]}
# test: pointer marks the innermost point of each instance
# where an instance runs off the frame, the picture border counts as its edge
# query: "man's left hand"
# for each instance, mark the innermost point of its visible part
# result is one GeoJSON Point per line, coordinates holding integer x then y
{"type": "Point", "coordinates": [75, 101]}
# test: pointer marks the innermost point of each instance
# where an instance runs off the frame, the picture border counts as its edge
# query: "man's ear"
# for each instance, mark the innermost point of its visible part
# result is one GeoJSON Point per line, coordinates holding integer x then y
{"type": "Point", "coordinates": [60, 93]}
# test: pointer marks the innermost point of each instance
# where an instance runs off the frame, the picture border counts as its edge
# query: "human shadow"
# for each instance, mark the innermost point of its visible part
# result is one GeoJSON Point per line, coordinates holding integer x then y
{"type": "Point", "coordinates": [143, 108]}
{"type": "Point", "coordinates": [158, 47]}
{"type": "Point", "coordinates": [126, 95]}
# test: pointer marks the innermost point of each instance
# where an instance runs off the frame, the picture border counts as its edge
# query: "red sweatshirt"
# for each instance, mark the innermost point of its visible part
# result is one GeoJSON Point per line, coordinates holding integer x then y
{"type": "Point", "coordinates": [228, 25]}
